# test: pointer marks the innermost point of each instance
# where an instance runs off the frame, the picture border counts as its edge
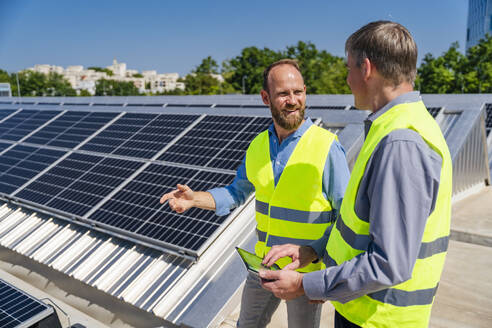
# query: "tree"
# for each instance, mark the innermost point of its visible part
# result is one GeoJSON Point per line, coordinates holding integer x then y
{"type": "Point", "coordinates": [115, 88]}
{"type": "Point", "coordinates": [100, 69]}
{"type": "Point", "coordinates": [84, 93]}
{"type": "Point", "coordinates": [478, 69]}
{"type": "Point", "coordinates": [323, 73]}
{"type": "Point", "coordinates": [138, 75]}
{"type": "Point", "coordinates": [207, 66]}
{"type": "Point", "coordinates": [246, 70]}
{"type": "Point", "coordinates": [201, 84]}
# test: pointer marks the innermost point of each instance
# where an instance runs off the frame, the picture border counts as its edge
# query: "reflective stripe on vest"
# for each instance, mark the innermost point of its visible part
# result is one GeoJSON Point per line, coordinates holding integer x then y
{"type": "Point", "coordinates": [407, 304]}
{"type": "Point", "coordinates": [294, 211]}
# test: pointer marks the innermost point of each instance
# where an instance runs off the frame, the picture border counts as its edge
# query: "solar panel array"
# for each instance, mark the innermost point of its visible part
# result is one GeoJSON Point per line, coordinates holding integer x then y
{"type": "Point", "coordinates": [24, 122]}
{"type": "Point", "coordinates": [328, 107]}
{"type": "Point", "coordinates": [17, 309]}
{"type": "Point", "coordinates": [109, 169]}
{"type": "Point", "coordinates": [488, 119]}
{"type": "Point", "coordinates": [70, 129]}
{"type": "Point", "coordinates": [434, 111]}
{"type": "Point", "coordinates": [5, 112]}
{"type": "Point", "coordinates": [216, 142]}
{"type": "Point", "coordinates": [21, 163]}
{"type": "Point", "coordinates": [139, 135]}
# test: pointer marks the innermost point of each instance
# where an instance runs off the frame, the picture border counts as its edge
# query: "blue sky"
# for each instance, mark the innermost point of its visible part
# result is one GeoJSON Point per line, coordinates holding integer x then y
{"type": "Point", "coordinates": [174, 36]}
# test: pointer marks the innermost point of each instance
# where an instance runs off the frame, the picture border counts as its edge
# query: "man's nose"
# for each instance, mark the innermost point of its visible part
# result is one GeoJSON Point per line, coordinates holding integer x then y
{"type": "Point", "coordinates": [291, 99]}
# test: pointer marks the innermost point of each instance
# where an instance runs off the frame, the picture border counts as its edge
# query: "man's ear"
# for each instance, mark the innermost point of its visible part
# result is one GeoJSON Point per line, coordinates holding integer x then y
{"type": "Point", "coordinates": [367, 68]}
{"type": "Point", "coordinates": [265, 97]}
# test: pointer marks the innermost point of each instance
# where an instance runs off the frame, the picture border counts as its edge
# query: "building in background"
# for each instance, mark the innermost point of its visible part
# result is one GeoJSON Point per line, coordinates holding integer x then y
{"type": "Point", "coordinates": [479, 21]}
{"type": "Point", "coordinates": [5, 90]}
{"type": "Point", "coordinates": [85, 79]}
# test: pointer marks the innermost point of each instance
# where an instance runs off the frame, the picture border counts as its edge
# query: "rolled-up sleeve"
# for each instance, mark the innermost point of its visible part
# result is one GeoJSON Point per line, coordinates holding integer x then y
{"type": "Point", "coordinates": [403, 180]}
{"type": "Point", "coordinates": [233, 195]}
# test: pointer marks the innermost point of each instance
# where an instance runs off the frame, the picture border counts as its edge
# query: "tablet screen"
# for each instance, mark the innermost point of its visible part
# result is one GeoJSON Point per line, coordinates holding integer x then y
{"type": "Point", "coordinates": [253, 262]}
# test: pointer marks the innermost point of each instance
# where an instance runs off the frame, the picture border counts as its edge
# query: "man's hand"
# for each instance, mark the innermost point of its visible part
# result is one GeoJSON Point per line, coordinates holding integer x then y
{"type": "Point", "coordinates": [300, 255]}
{"type": "Point", "coordinates": [180, 199]}
{"type": "Point", "coordinates": [286, 284]}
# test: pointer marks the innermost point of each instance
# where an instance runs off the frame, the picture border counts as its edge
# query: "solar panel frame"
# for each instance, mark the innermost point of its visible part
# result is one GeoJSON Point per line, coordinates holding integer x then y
{"type": "Point", "coordinates": [488, 118]}
{"type": "Point", "coordinates": [24, 123]}
{"type": "Point", "coordinates": [21, 163]}
{"type": "Point", "coordinates": [216, 141]}
{"type": "Point", "coordinates": [71, 128]}
{"type": "Point", "coordinates": [139, 135]}
{"type": "Point", "coordinates": [135, 209]}
{"type": "Point", "coordinates": [434, 111]}
{"type": "Point", "coordinates": [77, 183]}
{"type": "Point", "coordinates": [19, 309]}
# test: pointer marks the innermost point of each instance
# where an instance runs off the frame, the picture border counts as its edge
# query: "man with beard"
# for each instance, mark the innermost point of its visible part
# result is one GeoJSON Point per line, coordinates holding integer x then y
{"type": "Point", "coordinates": [386, 252]}
{"type": "Point", "coordinates": [299, 173]}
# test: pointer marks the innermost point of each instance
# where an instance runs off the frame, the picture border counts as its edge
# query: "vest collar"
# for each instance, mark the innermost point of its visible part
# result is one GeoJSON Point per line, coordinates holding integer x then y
{"type": "Point", "coordinates": [409, 97]}
{"type": "Point", "coordinates": [296, 135]}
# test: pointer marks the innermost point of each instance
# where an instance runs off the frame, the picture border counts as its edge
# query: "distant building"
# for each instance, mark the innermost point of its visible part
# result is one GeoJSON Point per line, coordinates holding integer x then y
{"type": "Point", "coordinates": [85, 79]}
{"type": "Point", "coordinates": [5, 90]}
{"type": "Point", "coordinates": [479, 21]}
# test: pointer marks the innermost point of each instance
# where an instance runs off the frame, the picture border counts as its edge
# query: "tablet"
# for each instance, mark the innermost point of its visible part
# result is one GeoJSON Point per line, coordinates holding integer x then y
{"type": "Point", "coordinates": [253, 262]}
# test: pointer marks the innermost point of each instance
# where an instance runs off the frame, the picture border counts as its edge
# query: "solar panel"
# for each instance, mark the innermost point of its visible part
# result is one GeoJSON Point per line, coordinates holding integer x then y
{"type": "Point", "coordinates": [4, 145]}
{"type": "Point", "coordinates": [70, 129]}
{"type": "Point", "coordinates": [21, 163]}
{"type": "Point", "coordinates": [136, 208]}
{"type": "Point", "coordinates": [434, 111]}
{"type": "Point", "coordinates": [139, 135]}
{"type": "Point", "coordinates": [488, 119]}
{"type": "Point", "coordinates": [24, 122]}
{"type": "Point", "coordinates": [78, 182]}
{"type": "Point", "coordinates": [328, 107]}
{"type": "Point", "coordinates": [5, 112]}
{"type": "Point", "coordinates": [76, 104]}
{"type": "Point", "coordinates": [18, 309]}
{"type": "Point", "coordinates": [216, 142]}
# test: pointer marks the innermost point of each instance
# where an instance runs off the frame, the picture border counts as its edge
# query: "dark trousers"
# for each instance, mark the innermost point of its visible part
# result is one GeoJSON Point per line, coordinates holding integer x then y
{"type": "Point", "coordinates": [341, 322]}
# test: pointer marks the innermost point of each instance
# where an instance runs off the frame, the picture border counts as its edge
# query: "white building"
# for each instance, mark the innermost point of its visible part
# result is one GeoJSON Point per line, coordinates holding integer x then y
{"type": "Point", "coordinates": [85, 79]}
{"type": "Point", "coordinates": [46, 69]}
{"type": "Point", "coordinates": [118, 69]}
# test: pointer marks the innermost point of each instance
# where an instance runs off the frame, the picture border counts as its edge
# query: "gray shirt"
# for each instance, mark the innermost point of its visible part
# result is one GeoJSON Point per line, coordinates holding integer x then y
{"type": "Point", "coordinates": [396, 195]}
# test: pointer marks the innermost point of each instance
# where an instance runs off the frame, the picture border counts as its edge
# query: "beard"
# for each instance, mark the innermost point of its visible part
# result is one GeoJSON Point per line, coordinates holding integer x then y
{"type": "Point", "coordinates": [287, 122]}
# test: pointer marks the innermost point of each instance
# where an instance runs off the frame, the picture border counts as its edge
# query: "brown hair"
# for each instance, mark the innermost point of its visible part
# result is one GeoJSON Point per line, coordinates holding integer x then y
{"type": "Point", "coordinates": [266, 72]}
{"type": "Point", "coordinates": [389, 46]}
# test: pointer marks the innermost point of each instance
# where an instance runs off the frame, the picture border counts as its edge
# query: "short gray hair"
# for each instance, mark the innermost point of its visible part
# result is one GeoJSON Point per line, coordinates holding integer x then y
{"type": "Point", "coordinates": [389, 46]}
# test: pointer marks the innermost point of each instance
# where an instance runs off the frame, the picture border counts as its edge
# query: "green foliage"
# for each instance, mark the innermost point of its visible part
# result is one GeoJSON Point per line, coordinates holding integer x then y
{"type": "Point", "coordinates": [84, 93]}
{"type": "Point", "coordinates": [323, 73]}
{"type": "Point", "coordinates": [4, 77]}
{"type": "Point", "coordinates": [100, 69]}
{"type": "Point", "coordinates": [39, 84]}
{"type": "Point", "coordinates": [207, 66]}
{"type": "Point", "coordinates": [137, 75]}
{"type": "Point", "coordinates": [115, 88]}
{"type": "Point", "coordinates": [453, 72]}
{"type": "Point", "coordinates": [246, 70]}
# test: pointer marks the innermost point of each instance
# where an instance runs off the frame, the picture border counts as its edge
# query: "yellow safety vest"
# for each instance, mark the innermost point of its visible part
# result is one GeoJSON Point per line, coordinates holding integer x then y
{"type": "Point", "coordinates": [295, 211]}
{"type": "Point", "coordinates": [407, 304]}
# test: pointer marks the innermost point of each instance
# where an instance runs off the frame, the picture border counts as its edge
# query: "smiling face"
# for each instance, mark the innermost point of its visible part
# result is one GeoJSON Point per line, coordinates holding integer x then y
{"type": "Point", "coordinates": [286, 96]}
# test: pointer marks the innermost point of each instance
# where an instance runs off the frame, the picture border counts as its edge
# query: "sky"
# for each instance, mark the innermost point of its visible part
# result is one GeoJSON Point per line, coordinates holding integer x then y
{"type": "Point", "coordinates": [174, 36]}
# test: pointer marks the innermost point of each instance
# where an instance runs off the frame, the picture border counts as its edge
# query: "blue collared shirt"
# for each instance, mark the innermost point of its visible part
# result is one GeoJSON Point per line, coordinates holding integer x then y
{"type": "Point", "coordinates": [335, 175]}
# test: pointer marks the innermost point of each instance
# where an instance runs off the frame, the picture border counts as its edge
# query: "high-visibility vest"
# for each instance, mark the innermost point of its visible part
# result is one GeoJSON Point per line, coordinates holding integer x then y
{"type": "Point", "coordinates": [407, 304]}
{"type": "Point", "coordinates": [295, 211]}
